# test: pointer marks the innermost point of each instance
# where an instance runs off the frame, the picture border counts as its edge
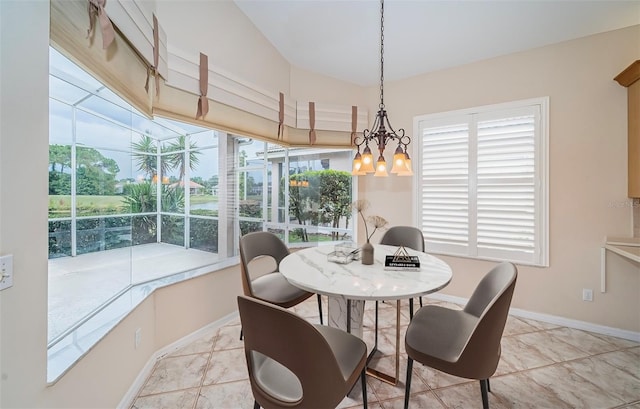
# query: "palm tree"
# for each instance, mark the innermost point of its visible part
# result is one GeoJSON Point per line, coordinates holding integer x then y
{"type": "Point", "coordinates": [145, 152]}
{"type": "Point", "coordinates": [177, 159]}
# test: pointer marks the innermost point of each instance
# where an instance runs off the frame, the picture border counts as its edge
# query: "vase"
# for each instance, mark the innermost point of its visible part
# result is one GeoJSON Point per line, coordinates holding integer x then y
{"type": "Point", "coordinates": [367, 253]}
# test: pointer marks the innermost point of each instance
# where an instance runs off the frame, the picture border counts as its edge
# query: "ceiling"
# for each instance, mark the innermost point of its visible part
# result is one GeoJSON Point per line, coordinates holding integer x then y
{"type": "Point", "coordinates": [341, 38]}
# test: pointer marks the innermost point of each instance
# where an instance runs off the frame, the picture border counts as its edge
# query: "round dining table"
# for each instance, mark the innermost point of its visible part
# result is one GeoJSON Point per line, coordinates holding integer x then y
{"type": "Point", "coordinates": [349, 285]}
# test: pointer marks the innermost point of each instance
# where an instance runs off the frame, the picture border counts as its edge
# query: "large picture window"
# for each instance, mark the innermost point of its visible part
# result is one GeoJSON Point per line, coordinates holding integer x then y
{"type": "Point", "coordinates": [482, 190]}
{"type": "Point", "coordinates": [136, 203]}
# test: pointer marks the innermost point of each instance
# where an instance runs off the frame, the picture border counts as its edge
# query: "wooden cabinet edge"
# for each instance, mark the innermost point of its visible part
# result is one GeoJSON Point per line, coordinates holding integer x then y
{"type": "Point", "coordinates": [629, 78]}
{"type": "Point", "coordinates": [630, 75]}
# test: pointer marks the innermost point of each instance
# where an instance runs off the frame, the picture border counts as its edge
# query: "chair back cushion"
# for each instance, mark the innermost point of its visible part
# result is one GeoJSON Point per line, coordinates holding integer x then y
{"type": "Point", "coordinates": [493, 295]}
{"type": "Point", "coordinates": [406, 236]}
{"type": "Point", "coordinates": [492, 286]}
{"type": "Point", "coordinates": [280, 346]}
{"type": "Point", "coordinates": [264, 245]}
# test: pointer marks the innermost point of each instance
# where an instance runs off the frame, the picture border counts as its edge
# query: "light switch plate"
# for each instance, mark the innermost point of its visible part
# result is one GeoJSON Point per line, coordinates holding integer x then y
{"type": "Point", "coordinates": [6, 271]}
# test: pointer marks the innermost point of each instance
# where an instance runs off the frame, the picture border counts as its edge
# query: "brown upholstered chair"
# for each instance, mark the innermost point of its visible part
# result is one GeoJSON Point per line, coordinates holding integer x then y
{"type": "Point", "coordinates": [295, 364]}
{"type": "Point", "coordinates": [464, 343]}
{"type": "Point", "coordinates": [406, 236]}
{"type": "Point", "coordinates": [268, 284]}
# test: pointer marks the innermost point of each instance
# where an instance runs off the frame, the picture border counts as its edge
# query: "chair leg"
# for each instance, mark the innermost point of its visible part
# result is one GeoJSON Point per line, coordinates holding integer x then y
{"type": "Point", "coordinates": [485, 397]}
{"type": "Point", "coordinates": [320, 308]}
{"type": "Point", "coordinates": [349, 316]}
{"type": "Point", "coordinates": [488, 386]}
{"type": "Point", "coordinates": [376, 329]}
{"type": "Point", "coordinates": [408, 383]}
{"type": "Point", "coordinates": [420, 301]}
{"type": "Point", "coordinates": [410, 309]}
{"type": "Point", "coordinates": [256, 405]}
{"type": "Point", "coordinates": [364, 387]}
{"type": "Point", "coordinates": [240, 333]}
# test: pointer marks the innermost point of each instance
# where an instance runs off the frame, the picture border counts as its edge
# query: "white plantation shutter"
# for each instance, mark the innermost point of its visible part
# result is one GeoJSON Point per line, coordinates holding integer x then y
{"type": "Point", "coordinates": [482, 190]}
{"type": "Point", "coordinates": [445, 195]}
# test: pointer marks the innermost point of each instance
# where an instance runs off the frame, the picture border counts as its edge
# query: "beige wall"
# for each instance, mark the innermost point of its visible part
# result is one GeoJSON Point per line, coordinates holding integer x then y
{"type": "Point", "coordinates": [232, 43]}
{"type": "Point", "coordinates": [24, 109]}
{"type": "Point", "coordinates": [309, 86]}
{"type": "Point", "coordinates": [587, 152]}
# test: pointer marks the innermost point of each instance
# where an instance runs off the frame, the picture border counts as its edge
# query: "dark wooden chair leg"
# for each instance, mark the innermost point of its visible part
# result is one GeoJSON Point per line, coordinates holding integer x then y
{"type": "Point", "coordinates": [410, 308]}
{"type": "Point", "coordinates": [485, 395]}
{"type": "Point", "coordinates": [408, 383]}
{"type": "Point", "coordinates": [320, 308]}
{"type": "Point", "coordinates": [364, 387]}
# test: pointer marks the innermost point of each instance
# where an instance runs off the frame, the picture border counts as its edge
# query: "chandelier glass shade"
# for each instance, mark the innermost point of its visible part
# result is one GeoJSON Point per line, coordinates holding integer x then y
{"type": "Point", "coordinates": [381, 134]}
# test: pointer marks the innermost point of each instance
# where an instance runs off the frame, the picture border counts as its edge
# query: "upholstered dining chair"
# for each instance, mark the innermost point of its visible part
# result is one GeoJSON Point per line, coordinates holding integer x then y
{"type": "Point", "coordinates": [464, 343]}
{"type": "Point", "coordinates": [268, 284]}
{"type": "Point", "coordinates": [295, 364]}
{"type": "Point", "coordinates": [406, 236]}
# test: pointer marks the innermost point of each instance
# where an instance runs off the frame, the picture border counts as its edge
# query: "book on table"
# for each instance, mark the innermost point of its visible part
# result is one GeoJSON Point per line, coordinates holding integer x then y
{"type": "Point", "coordinates": [401, 260]}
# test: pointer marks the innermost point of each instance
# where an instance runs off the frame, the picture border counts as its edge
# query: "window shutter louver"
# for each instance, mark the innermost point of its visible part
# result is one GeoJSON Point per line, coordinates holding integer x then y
{"type": "Point", "coordinates": [506, 187]}
{"type": "Point", "coordinates": [445, 196]}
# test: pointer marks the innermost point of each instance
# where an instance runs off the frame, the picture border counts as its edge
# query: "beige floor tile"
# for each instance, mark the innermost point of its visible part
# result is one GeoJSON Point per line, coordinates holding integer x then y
{"type": "Point", "coordinates": [619, 342]}
{"type": "Point", "coordinates": [467, 395]}
{"type": "Point", "coordinates": [539, 324]}
{"type": "Point", "coordinates": [228, 338]}
{"type": "Point", "coordinates": [174, 373]}
{"type": "Point", "coordinates": [517, 391]}
{"type": "Point", "coordinates": [573, 388]}
{"type": "Point", "coordinates": [354, 397]}
{"type": "Point", "coordinates": [551, 346]}
{"type": "Point", "coordinates": [425, 399]}
{"type": "Point", "coordinates": [226, 366]}
{"type": "Point", "coordinates": [435, 379]}
{"type": "Point", "coordinates": [615, 381]}
{"type": "Point", "coordinates": [201, 345]}
{"type": "Point", "coordinates": [516, 326]}
{"type": "Point", "coordinates": [583, 340]}
{"type": "Point", "coordinates": [183, 399]}
{"type": "Point", "coordinates": [625, 360]}
{"type": "Point", "coordinates": [518, 355]}
{"type": "Point", "coordinates": [236, 395]}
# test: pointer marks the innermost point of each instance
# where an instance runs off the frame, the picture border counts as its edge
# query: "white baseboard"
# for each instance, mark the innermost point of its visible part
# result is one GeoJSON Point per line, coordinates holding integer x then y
{"type": "Point", "coordinates": [554, 319]}
{"type": "Point", "coordinates": [138, 383]}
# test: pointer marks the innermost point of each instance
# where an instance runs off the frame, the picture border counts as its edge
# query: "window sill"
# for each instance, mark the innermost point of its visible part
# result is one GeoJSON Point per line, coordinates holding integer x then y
{"type": "Point", "coordinates": [62, 356]}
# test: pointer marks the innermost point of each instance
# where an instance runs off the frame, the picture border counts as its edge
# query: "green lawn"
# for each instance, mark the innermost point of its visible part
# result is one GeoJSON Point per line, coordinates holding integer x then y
{"type": "Point", "coordinates": [88, 205]}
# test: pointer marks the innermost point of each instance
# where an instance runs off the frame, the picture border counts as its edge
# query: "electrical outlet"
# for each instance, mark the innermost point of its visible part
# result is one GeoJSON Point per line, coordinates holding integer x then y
{"type": "Point", "coordinates": [587, 294]}
{"type": "Point", "coordinates": [6, 271]}
{"type": "Point", "coordinates": [138, 337]}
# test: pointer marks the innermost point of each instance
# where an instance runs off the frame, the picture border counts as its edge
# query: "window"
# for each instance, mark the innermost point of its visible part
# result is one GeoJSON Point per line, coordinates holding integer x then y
{"type": "Point", "coordinates": [482, 190]}
{"type": "Point", "coordinates": [136, 203]}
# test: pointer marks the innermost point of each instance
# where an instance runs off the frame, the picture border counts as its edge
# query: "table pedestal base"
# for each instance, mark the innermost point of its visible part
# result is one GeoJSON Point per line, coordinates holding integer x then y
{"type": "Point", "coordinates": [339, 314]}
{"type": "Point", "coordinates": [351, 321]}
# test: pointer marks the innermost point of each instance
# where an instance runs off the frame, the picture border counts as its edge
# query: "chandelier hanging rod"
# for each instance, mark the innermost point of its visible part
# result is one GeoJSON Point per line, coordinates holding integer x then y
{"type": "Point", "coordinates": [381, 133]}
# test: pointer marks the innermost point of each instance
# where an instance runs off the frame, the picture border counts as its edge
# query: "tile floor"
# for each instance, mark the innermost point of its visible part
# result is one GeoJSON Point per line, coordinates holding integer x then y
{"type": "Point", "coordinates": [542, 366]}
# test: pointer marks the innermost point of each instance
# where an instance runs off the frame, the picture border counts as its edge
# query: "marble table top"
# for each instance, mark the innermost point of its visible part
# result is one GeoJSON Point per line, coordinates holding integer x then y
{"type": "Point", "coordinates": [310, 270]}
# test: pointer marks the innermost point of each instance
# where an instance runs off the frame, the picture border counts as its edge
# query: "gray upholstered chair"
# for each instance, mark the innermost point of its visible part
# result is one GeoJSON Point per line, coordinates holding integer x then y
{"type": "Point", "coordinates": [264, 251]}
{"type": "Point", "coordinates": [295, 364]}
{"type": "Point", "coordinates": [464, 343]}
{"type": "Point", "coordinates": [406, 236]}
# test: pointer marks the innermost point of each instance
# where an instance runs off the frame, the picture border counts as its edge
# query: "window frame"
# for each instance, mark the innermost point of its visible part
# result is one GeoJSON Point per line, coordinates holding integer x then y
{"type": "Point", "coordinates": [540, 258]}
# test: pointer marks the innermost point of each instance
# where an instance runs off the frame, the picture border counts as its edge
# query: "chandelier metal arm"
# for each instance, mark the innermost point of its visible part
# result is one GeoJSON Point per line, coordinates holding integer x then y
{"type": "Point", "coordinates": [381, 133]}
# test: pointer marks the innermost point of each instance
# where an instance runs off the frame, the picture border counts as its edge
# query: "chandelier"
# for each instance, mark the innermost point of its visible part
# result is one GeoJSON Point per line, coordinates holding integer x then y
{"type": "Point", "coordinates": [381, 134]}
